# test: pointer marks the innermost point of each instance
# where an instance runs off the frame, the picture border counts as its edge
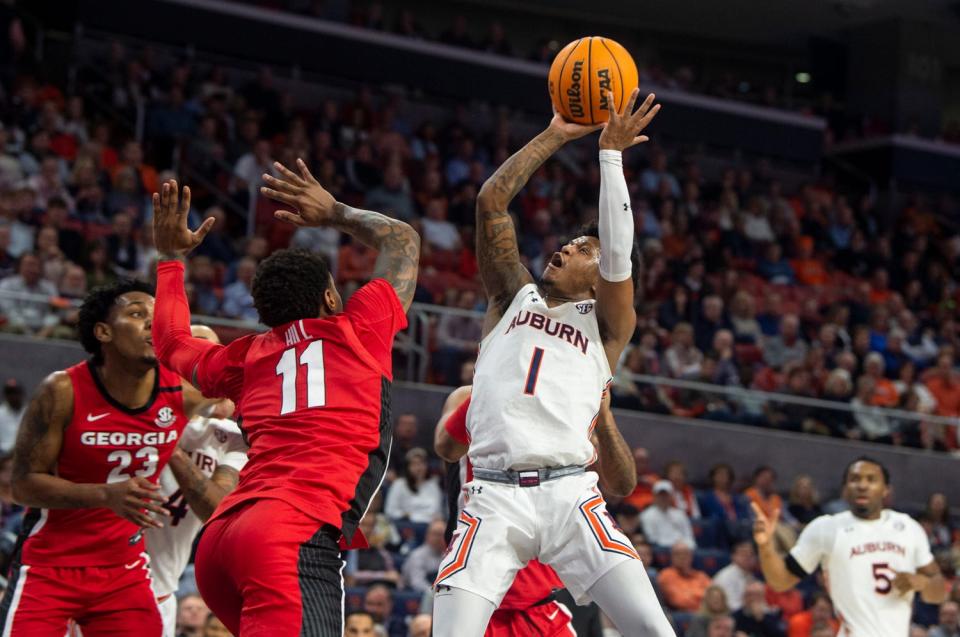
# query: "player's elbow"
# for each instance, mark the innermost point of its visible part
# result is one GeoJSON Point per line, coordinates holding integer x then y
{"type": "Point", "coordinates": [622, 486]}
{"type": "Point", "coordinates": [21, 490]}
{"type": "Point", "coordinates": [780, 584]}
{"type": "Point", "coordinates": [448, 448]}
{"type": "Point", "coordinates": [488, 199]}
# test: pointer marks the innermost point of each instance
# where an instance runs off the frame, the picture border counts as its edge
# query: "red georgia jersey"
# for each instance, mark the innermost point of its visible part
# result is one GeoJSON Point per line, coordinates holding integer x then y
{"type": "Point", "coordinates": [314, 403]}
{"type": "Point", "coordinates": [105, 442]}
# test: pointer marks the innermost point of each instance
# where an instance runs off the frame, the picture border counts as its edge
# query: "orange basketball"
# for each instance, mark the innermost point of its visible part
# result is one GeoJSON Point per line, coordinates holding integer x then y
{"type": "Point", "coordinates": [581, 72]}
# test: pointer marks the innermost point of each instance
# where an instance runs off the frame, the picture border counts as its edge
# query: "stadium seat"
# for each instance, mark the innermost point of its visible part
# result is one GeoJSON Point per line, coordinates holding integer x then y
{"type": "Point", "coordinates": [681, 622]}
{"type": "Point", "coordinates": [411, 533]}
{"type": "Point", "coordinates": [710, 560]}
{"type": "Point", "coordinates": [709, 533]}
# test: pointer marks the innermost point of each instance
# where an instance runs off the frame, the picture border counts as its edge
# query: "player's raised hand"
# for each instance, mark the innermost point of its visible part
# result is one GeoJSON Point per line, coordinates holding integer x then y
{"type": "Point", "coordinates": [171, 234]}
{"type": "Point", "coordinates": [132, 500]}
{"type": "Point", "coordinates": [623, 128]}
{"type": "Point", "coordinates": [313, 204]}
{"type": "Point", "coordinates": [763, 526]}
{"type": "Point", "coordinates": [569, 130]}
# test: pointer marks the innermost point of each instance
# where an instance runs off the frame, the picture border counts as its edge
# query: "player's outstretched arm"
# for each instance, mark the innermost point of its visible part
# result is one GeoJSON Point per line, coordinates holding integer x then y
{"type": "Point", "coordinates": [498, 255]}
{"type": "Point", "coordinates": [35, 455]}
{"type": "Point", "coordinates": [774, 568]}
{"type": "Point", "coordinates": [450, 438]}
{"type": "Point", "coordinates": [615, 311]}
{"type": "Point", "coordinates": [618, 472]}
{"type": "Point", "coordinates": [397, 243]}
{"type": "Point", "coordinates": [928, 581]}
{"type": "Point", "coordinates": [173, 342]}
{"type": "Point", "coordinates": [203, 494]}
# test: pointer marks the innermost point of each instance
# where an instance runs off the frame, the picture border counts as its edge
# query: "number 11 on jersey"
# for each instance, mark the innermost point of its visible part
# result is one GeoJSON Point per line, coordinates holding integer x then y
{"type": "Point", "coordinates": [288, 368]}
{"type": "Point", "coordinates": [534, 372]}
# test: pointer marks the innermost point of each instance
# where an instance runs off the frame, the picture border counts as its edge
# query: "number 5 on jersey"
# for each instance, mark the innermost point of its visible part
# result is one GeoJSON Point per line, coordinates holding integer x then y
{"type": "Point", "coordinates": [288, 368]}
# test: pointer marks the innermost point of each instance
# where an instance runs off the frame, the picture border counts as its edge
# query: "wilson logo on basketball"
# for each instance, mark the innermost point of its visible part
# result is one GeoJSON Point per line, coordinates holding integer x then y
{"type": "Point", "coordinates": [165, 417]}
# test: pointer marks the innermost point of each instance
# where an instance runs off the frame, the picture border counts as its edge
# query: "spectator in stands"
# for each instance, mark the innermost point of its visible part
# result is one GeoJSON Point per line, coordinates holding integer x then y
{"type": "Point", "coordinates": [676, 309]}
{"type": "Point", "coordinates": [192, 614]}
{"type": "Point", "coordinates": [872, 424]}
{"type": "Point", "coordinates": [657, 173]}
{"type": "Point", "coordinates": [710, 320]}
{"type": "Point", "coordinates": [416, 496]}
{"type": "Point", "coordinates": [642, 495]}
{"type": "Point", "coordinates": [358, 623]}
{"type": "Point", "coordinates": [819, 613]}
{"type": "Point", "coordinates": [355, 263]}
{"type": "Point", "coordinates": [726, 372]}
{"type": "Point", "coordinates": [720, 502]}
{"type": "Point", "coordinates": [53, 263]}
{"type": "Point", "coordinates": [405, 429]}
{"type": "Point", "coordinates": [734, 578]}
{"type": "Point", "coordinates": [743, 320]}
{"type": "Point", "coordinates": [8, 263]}
{"type": "Point", "coordinates": [392, 197]}
{"type": "Point", "coordinates": [935, 520]}
{"type": "Point", "coordinates": [249, 169]}
{"type": "Point", "coordinates": [907, 382]}
{"type": "Point", "coordinates": [808, 268]}
{"type": "Point", "coordinates": [21, 234]}
{"type": "Point", "coordinates": [11, 413]}
{"type": "Point", "coordinates": [457, 34]}
{"type": "Point", "coordinates": [438, 232]}
{"type": "Point", "coordinates": [884, 391]}
{"type": "Point", "coordinates": [420, 568]}
{"type": "Point", "coordinates": [121, 245]}
{"type": "Point", "coordinates": [714, 605]}
{"type": "Point", "coordinates": [378, 603]}
{"type": "Point", "coordinates": [683, 586]}
{"type": "Point", "coordinates": [948, 624]}
{"type": "Point", "coordinates": [804, 502]}
{"type": "Point", "coordinates": [682, 358]}
{"type": "Point", "coordinates": [684, 497]}
{"type": "Point", "coordinates": [27, 316]}
{"type": "Point", "coordinates": [788, 346]}
{"type": "Point", "coordinates": [97, 264]}
{"type": "Point", "coordinates": [205, 297]}
{"type": "Point", "coordinates": [133, 158]}
{"type": "Point", "coordinates": [762, 491]}
{"type": "Point", "coordinates": [756, 223]}
{"type": "Point", "coordinates": [722, 626]}
{"type": "Point", "coordinates": [421, 626]}
{"type": "Point", "coordinates": [458, 337]}
{"type": "Point", "coordinates": [792, 416]}
{"type": "Point", "coordinates": [496, 40]}
{"type": "Point", "coordinates": [217, 244]}
{"type": "Point", "coordinates": [755, 618]}
{"type": "Point", "coordinates": [663, 523]}
{"type": "Point", "coordinates": [943, 381]}
{"type": "Point", "coordinates": [69, 240]}
{"type": "Point", "coordinates": [237, 300]}
{"type": "Point", "coordinates": [774, 268]}
{"type": "Point", "coordinates": [371, 565]}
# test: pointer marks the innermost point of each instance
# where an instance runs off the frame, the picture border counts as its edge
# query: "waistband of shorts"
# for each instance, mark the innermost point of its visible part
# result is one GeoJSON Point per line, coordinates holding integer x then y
{"type": "Point", "coordinates": [526, 478]}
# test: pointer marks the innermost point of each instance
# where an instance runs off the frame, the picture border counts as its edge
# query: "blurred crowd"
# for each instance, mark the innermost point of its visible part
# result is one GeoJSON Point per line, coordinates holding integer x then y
{"type": "Point", "coordinates": [807, 291]}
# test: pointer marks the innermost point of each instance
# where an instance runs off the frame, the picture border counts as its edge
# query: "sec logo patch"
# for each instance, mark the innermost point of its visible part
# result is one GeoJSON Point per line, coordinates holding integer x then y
{"type": "Point", "coordinates": [165, 417]}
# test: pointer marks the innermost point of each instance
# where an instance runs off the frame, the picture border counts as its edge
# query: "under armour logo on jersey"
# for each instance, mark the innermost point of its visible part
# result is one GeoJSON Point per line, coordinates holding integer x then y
{"type": "Point", "coordinates": [626, 207]}
{"type": "Point", "coordinates": [584, 308]}
{"type": "Point", "coordinates": [476, 490]}
{"type": "Point", "coordinates": [165, 417]}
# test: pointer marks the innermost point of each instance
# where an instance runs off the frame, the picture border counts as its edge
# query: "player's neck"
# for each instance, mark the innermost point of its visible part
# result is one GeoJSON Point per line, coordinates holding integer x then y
{"type": "Point", "coordinates": [868, 516]}
{"type": "Point", "coordinates": [129, 383]}
{"type": "Point", "coordinates": [553, 298]}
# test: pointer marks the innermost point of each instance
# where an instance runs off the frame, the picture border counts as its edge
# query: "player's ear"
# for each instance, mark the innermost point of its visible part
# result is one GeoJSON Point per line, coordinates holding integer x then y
{"type": "Point", "coordinates": [330, 301]}
{"type": "Point", "coordinates": [103, 332]}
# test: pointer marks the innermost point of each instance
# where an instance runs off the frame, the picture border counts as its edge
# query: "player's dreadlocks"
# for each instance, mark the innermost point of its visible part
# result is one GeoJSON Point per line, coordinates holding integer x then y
{"type": "Point", "coordinates": [96, 307]}
{"type": "Point", "coordinates": [289, 286]}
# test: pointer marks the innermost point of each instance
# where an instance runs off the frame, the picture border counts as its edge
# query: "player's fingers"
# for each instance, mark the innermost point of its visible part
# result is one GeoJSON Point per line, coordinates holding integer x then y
{"type": "Point", "coordinates": [142, 519]}
{"type": "Point", "coordinates": [155, 508]}
{"type": "Point", "coordinates": [305, 172]}
{"type": "Point", "coordinates": [289, 217]}
{"type": "Point", "coordinates": [631, 102]}
{"type": "Point", "coordinates": [639, 139]}
{"type": "Point", "coordinates": [184, 209]}
{"type": "Point", "coordinates": [280, 184]}
{"type": "Point", "coordinates": [276, 195]}
{"type": "Point", "coordinates": [156, 203]}
{"type": "Point", "coordinates": [758, 512]}
{"type": "Point", "coordinates": [644, 107]}
{"type": "Point", "coordinates": [646, 119]}
{"type": "Point", "coordinates": [164, 197]}
{"type": "Point", "coordinates": [611, 104]}
{"type": "Point", "coordinates": [775, 517]}
{"type": "Point", "coordinates": [286, 172]}
{"type": "Point", "coordinates": [204, 228]}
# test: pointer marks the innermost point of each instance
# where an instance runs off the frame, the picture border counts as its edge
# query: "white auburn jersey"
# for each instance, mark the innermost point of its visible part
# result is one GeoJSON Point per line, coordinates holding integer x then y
{"type": "Point", "coordinates": [210, 442]}
{"type": "Point", "coordinates": [539, 380]}
{"type": "Point", "coordinates": [860, 559]}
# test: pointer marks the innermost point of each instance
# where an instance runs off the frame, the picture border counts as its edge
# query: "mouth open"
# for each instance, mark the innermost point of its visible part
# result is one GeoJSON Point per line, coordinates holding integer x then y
{"type": "Point", "coordinates": [557, 260]}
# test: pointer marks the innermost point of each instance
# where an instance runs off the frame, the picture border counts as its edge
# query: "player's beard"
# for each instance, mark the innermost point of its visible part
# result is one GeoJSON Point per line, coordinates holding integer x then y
{"type": "Point", "coordinates": [864, 511]}
{"type": "Point", "coordinates": [149, 360]}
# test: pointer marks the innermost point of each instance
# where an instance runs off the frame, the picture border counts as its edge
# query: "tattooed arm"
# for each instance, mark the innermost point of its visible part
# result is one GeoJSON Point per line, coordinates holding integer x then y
{"type": "Point", "coordinates": [397, 242]}
{"type": "Point", "coordinates": [497, 253]}
{"type": "Point", "coordinates": [35, 456]}
{"type": "Point", "coordinates": [203, 494]}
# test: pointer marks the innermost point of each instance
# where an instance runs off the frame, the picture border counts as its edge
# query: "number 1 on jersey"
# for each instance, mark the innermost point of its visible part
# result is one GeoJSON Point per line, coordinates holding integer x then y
{"type": "Point", "coordinates": [534, 372]}
{"type": "Point", "coordinates": [288, 368]}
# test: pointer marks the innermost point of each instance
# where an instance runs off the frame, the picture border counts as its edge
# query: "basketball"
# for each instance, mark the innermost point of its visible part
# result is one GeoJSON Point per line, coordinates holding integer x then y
{"type": "Point", "coordinates": [582, 71]}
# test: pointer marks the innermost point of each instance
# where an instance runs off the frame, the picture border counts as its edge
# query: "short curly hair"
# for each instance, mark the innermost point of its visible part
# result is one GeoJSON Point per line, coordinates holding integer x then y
{"type": "Point", "coordinates": [96, 307]}
{"type": "Point", "coordinates": [289, 286]}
